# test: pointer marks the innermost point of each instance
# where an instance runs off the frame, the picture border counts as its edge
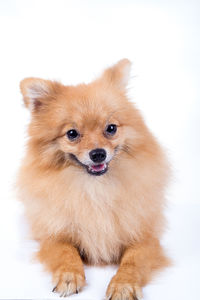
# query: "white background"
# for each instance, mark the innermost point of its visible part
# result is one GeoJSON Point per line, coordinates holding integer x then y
{"type": "Point", "coordinates": [73, 41]}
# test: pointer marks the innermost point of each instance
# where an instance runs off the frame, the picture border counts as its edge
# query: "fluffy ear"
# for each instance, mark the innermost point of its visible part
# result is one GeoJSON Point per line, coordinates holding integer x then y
{"type": "Point", "coordinates": [36, 92]}
{"type": "Point", "coordinates": [119, 73]}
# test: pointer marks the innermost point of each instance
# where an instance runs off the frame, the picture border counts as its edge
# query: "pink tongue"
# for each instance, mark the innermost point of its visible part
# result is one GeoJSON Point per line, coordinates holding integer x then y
{"type": "Point", "coordinates": [98, 167]}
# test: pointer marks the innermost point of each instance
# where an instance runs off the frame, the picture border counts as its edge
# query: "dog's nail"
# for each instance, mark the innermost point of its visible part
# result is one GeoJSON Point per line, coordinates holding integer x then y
{"type": "Point", "coordinates": [76, 291]}
{"type": "Point", "coordinates": [54, 289]}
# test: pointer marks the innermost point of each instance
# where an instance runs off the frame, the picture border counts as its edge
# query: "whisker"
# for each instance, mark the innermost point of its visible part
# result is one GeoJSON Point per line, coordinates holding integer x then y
{"type": "Point", "coordinates": [126, 148]}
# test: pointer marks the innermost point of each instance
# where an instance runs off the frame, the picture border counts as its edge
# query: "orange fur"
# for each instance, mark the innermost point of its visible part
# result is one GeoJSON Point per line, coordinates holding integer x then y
{"type": "Point", "coordinates": [113, 218]}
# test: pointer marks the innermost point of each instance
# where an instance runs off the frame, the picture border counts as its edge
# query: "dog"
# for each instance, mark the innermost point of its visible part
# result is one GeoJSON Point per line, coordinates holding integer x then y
{"type": "Point", "coordinates": [92, 183]}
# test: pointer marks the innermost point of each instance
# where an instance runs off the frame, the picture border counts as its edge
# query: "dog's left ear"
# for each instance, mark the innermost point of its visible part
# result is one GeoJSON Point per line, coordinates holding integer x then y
{"type": "Point", "coordinates": [37, 93]}
{"type": "Point", "coordinates": [118, 74]}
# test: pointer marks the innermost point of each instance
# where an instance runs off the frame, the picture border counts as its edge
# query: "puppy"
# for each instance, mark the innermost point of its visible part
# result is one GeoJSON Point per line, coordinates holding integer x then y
{"type": "Point", "coordinates": [92, 183]}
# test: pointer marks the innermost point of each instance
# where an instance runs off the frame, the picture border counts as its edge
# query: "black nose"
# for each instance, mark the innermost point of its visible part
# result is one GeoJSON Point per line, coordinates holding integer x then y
{"type": "Point", "coordinates": [97, 155]}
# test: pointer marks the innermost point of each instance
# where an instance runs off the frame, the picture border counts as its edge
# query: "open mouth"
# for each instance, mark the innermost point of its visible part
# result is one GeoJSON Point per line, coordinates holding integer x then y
{"type": "Point", "coordinates": [97, 169]}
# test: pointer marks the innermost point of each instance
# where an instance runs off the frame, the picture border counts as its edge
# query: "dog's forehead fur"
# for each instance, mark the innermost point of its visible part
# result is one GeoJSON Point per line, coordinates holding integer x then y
{"type": "Point", "coordinates": [85, 103]}
{"type": "Point", "coordinates": [84, 107]}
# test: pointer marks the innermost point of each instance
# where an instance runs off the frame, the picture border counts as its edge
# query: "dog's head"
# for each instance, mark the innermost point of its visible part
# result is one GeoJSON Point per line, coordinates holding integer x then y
{"type": "Point", "coordinates": [87, 125]}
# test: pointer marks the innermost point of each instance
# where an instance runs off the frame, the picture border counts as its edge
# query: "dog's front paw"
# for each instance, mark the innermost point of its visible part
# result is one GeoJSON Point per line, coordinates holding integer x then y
{"type": "Point", "coordinates": [123, 291]}
{"type": "Point", "coordinates": [68, 283]}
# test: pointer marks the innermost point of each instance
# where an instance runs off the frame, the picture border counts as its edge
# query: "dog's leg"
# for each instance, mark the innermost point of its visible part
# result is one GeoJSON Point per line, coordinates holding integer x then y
{"type": "Point", "coordinates": [65, 264]}
{"type": "Point", "coordinates": [137, 266]}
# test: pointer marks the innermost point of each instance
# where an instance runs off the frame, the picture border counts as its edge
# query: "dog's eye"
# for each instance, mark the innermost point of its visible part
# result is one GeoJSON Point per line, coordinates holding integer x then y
{"type": "Point", "coordinates": [111, 129]}
{"type": "Point", "coordinates": [72, 134]}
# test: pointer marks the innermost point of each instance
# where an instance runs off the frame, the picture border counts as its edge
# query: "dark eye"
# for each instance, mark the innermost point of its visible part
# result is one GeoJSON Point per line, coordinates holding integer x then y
{"type": "Point", "coordinates": [72, 134]}
{"type": "Point", "coordinates": [111, 129]}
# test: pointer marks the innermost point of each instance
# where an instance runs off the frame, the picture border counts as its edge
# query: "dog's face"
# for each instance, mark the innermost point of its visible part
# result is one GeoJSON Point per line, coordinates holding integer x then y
{"type": "Point", "coordinates": [91, 136]}
{"type": "Point", "coordinates": [85, 125]}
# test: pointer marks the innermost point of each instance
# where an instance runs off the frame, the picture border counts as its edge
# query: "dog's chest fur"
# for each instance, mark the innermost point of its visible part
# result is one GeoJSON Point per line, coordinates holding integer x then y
{"type": "Point", "coordinates": [89, 213]}
{"type": "Point", "coordinates": [98, 230]}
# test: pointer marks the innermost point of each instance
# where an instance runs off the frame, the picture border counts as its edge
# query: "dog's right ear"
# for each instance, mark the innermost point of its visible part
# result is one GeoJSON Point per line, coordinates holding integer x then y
{"type": "Point", "coordinates": [38, 92]}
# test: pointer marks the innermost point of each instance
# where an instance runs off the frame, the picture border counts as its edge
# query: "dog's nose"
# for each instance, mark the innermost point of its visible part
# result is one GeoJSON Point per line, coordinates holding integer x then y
{"type": "Point", "coordinates": [97, 155]}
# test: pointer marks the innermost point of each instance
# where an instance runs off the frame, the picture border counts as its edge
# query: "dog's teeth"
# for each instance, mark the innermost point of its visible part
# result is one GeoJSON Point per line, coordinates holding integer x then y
{"type": "Point", "coordinates": [94, 170]}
